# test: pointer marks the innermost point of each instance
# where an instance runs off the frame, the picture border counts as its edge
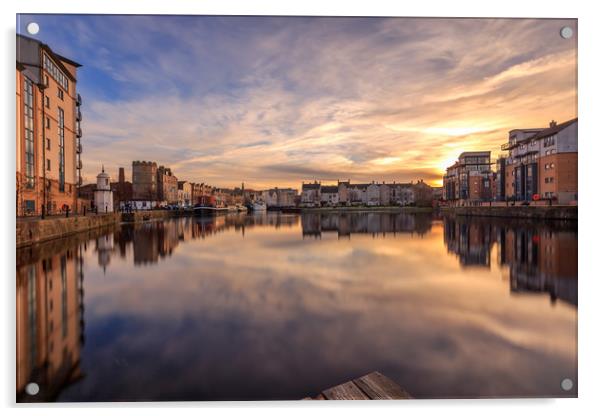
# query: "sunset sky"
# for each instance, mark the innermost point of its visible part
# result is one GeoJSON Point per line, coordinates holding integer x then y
{"type": "Point", "coordinates": [273, 101]}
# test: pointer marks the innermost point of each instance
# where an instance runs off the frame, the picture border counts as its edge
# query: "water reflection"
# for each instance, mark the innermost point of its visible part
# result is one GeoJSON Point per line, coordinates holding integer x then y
{"type": "Point", "coordinates": [249, 307]}
{"type": "Point", "coordinates": [541, 256]}
{"type": "Point", "coordinates": [50, 320]}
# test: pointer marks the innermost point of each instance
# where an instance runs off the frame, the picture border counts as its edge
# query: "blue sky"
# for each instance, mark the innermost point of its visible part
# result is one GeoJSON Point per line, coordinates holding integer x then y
{"type": "Point", "coordinates": [277, 100]}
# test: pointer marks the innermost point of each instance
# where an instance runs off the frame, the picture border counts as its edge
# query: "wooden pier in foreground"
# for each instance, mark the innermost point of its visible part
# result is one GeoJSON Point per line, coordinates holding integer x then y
{"type": "Point", "coordinates": [373, 386]}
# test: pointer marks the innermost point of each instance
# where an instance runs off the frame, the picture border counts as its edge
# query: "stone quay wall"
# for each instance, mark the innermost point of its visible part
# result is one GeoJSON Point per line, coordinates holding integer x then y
{"type": "Point", "coordinates": [32, 231]}
{"type": "Point", "coordinates": [533, 212]}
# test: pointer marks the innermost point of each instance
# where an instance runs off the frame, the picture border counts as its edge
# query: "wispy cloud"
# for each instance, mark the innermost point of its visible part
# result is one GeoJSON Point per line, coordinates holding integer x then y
{"type": "Point", "coordinates": [273, 101]}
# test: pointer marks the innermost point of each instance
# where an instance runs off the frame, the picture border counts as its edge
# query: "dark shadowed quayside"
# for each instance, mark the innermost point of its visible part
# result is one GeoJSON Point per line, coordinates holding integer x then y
{"type": "Point", "coordinates": [282, 306]}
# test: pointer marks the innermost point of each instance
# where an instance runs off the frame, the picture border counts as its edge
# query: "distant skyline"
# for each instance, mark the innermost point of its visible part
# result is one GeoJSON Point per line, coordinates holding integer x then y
{"type": "Point", "coordinates": [274, 101]}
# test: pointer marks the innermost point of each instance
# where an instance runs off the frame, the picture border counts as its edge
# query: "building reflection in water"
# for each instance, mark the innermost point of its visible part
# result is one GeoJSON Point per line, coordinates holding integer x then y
{"type": "Point", "coordinates": [375, 223]}
{"type": "Point", "coordinates": [541, 257]}
{"type": "Point", "coordinates": [156, 240]}
{"type": "Point", "coordinates": [50, 324]}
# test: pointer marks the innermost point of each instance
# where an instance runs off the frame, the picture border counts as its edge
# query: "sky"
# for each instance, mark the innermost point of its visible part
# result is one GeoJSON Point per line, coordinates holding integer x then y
{"type": "Point", "coordinates": [274, 101]}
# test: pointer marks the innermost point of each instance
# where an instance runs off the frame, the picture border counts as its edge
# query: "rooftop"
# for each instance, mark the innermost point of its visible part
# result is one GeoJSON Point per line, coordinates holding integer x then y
{"type": "Point", "coordinates": [553, 129]}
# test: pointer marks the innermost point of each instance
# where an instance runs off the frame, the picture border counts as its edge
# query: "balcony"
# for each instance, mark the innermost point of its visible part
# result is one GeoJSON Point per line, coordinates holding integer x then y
{"type": "Point", "coordinates": [78, 165]}
{"type": "Point", "coordinates": [78, 132]}
{"type": "Point", "coordinates": [506, 146]}
{"type": "Point", "coordinates": [78, 148]}
{"type": "Point", "coordinates": [78, 115]}
{"type": "Point", "coordinates": [78, 101]}
{"type": "Point", "coordinates": [80, 181]}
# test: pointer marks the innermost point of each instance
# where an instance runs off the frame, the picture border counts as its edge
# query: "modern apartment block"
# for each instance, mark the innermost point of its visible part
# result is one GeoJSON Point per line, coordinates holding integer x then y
{"type": "Point", "coordinates": [542, 163]}
{"type": "Point", "coordinates": [470, 178]}
{"type": "Point", "coordinates": [48, 130]}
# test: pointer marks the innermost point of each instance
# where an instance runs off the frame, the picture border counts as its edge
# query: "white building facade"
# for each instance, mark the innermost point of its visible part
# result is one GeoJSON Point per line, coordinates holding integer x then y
{"type": "Point", "coordinates": [103, 196]}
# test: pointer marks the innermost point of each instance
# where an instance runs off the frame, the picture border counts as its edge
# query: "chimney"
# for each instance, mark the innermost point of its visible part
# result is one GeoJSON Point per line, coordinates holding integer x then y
{"type": "Point", "coordinates": [552, 123]}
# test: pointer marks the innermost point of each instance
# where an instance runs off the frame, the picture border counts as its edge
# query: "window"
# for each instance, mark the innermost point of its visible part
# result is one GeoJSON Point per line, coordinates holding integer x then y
{"type": "Point", "coordinates": [29, 136]}
{"type": "Point", "coordinates": [47, 102]}
{"type": "Point", "coordinates": [551, 166]}
{"type": "Point", "coordinates": [47, 164]}
{"type": "Point", "coordinates": [61, 150]}
{"type": "Point", "coordinates": [30, 206]}
{"type": "Point", "coordinates": [60, 93]}
{"type": "Point", "coordinates": [46, 80]}
{"type": "Point", "coordinates": [47, 144]}
{"type": "Point", "coordinates": [55, 72]}
{"type": "Point", "coordinates": [549, 141]}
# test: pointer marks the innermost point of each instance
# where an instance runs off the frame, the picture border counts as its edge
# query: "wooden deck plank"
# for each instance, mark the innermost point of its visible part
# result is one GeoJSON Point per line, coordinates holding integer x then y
{"type": "Point", "coordinates": [379, 387]}
{"type": "Point", "coordinates": [345, 391]}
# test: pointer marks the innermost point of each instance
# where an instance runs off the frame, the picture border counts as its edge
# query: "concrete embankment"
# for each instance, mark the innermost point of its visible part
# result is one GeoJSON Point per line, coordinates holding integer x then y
{"type": "Point", "coordinates": [535, 212]}
{"type": "Point", "coordinates": [32, 231]}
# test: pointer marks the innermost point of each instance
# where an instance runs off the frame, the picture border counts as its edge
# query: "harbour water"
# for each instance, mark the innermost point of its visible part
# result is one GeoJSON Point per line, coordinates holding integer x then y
{"type": "Point", "coordinates": [282, 306]}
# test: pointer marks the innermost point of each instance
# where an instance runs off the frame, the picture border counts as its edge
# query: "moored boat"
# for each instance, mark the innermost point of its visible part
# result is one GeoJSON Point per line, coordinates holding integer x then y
{"type": "Point", "coordinates": [259, 206]}
{"type": "Point", "coordinates": [206, 210]}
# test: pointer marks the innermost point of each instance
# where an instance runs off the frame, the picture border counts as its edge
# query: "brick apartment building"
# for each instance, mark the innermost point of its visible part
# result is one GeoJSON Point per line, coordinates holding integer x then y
{"type": "Point", "coordinates": [541, 162]}
{"type": "Point", "coordinates": [470, 178]}
{"type": "Point", "coordinates": [48, 130]}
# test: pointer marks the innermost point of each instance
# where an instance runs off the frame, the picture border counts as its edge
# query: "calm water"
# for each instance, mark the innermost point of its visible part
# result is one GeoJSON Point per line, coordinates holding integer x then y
{"type": "Point", "coordinates": [283, 306]}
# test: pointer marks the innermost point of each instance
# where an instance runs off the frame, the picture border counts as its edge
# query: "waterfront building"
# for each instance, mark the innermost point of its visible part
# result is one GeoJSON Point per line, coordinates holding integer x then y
{"type": "Point", "coordinates": [184, 193]}
{"type": "Point", "coordinates": [500, 178]}
{"type": "Point", "coordinates": [542, 163]}
{"type": "Point", "coordinates": [422, 193]}
{"type": "Point", "coordinates": [279, 197]}
{"type": "Point", "coordinates": [385, 194]}
{"type": "Point", "coordinates": [48, 130]}
{"type": "Point", "coordinates": [167, 186]}
{"type": "Point", "coordinates": [470, 178]}
{"type": "Point", "coordinates": [344, 192]}
{"type": "Point", "coordinates": [370, 194]}
{"type": "Point", "coordinates": [357, 193]}
{"type": "Point", "coordinates": [144, 181]}
{"type": "Point", "coordinates": [329, 196]}
{"type": "Point", "coordinates": [310, 194]}
{"type": "Point", "coordinates": [373, 194]}
{"type": "Point", "coordinates": [103, 195]}
{"type": "Point", "coordinates": [401, 193]}
{"type": "Point", "coordinates": [195, 192]}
